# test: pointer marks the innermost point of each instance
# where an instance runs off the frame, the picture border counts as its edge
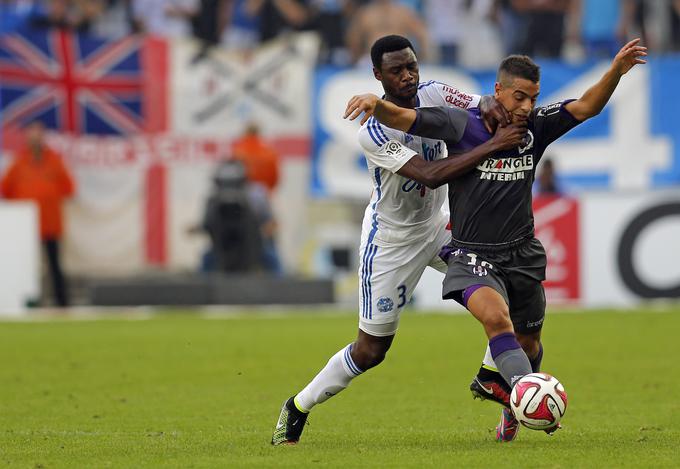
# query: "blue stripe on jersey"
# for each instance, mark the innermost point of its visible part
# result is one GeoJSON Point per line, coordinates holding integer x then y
{"type": "Point", "coordinates": [427, 83]}
{"type": "Point", "coordinates": [350, 363]}
{"type": "Point", "coordinates": [364, 282]}
{"type": "Point", "coordinates": [379, 129]}
{"type": "Point", "coordinates": [367, 258]}
{"type": "Point", "coordinates": [367, 272]}
{"type": "Point", "coordinates": [370, 273]}
{"type": "Point", "coordinates": [378, 188]}
{"type": "Point", "coordinates": [373, 134]}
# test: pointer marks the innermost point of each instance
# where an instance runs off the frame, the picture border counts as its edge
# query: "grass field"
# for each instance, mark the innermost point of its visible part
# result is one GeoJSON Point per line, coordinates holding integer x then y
{"type": "Point", "coordinates": [181, 390]}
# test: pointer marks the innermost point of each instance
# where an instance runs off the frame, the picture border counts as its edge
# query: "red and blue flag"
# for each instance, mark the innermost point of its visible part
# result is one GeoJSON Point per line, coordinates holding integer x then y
{"type": "Point", "coordinates": [83, 85]}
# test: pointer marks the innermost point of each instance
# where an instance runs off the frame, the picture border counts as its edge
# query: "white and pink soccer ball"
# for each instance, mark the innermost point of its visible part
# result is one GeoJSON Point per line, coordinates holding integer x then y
{"type": "Point", "coordinates": [538, 401]}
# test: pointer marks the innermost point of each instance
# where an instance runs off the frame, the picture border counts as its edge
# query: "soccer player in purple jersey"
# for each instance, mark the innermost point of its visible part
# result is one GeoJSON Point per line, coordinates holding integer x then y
{"type": "Point", "coordinates": [496, 266]}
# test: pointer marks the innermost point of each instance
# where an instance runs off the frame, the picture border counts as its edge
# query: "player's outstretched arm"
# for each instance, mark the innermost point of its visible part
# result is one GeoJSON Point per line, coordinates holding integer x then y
{"type": "Point", "coordinates": [594, 100]}
{"type": "Point", "coordinates": [387, 113]}
{"type": "Point", "coordinates": [435, 173]}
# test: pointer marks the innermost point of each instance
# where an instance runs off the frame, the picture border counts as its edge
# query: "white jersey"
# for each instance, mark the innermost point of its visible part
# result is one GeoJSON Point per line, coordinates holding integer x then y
{"type": "Point", "coordinates": [403, 211]}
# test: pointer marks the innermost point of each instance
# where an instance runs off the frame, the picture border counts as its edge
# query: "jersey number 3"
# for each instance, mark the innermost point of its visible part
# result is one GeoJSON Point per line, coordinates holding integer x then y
{"type": "Point", "coordinates": [401, 289]}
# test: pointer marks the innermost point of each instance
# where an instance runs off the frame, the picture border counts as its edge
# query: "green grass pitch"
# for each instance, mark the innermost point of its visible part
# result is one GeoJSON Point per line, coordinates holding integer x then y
{"type": "Point", "coordinates": [182, 390]}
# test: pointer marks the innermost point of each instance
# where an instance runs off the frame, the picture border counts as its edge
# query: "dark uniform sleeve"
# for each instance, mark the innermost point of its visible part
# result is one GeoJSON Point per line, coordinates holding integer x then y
{"type": "Point", "coordinates": [552, 121]}
{"type": "Point", "coordinates": [441, 123]}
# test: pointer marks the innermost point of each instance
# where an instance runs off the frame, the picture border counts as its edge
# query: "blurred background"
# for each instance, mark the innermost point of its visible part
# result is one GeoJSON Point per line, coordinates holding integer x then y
{"type": "Point", "coordinates": [189, 152]}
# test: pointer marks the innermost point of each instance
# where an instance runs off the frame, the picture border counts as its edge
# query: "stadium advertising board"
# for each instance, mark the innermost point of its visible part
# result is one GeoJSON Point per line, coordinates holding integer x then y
{"type": "Point", "coordinates": [629, 247]}
{"type": "Point", "coordinates": [20, 254]}
{"type": "Point", "coordinates": [557, 224]}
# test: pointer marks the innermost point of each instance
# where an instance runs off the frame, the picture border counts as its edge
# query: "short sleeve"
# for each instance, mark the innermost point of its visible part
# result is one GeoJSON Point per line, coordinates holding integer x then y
{"type": "Point", "coordinates": [552, 121]}
{"type": "Point", "coordinates": [435, 93]}
{"type": "Point", "coordinates": [383, 147]}
{"type": "Point", "coordinates": [440, 123]}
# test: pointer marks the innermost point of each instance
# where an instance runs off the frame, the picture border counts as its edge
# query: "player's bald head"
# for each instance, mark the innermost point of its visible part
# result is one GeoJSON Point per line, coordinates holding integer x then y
{"type": "Point", "coordinates": [517, 66]}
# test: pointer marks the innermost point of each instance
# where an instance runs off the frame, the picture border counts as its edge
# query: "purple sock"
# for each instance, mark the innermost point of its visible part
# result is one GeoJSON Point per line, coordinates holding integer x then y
{"type": "Point", "coordinates": [502, 343]}
{"type": "Point", "coordinates": [510, 359]}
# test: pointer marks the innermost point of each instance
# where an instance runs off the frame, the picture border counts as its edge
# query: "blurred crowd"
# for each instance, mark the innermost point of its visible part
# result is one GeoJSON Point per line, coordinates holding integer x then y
{"type": "Point", "coordinates": [446, 32]}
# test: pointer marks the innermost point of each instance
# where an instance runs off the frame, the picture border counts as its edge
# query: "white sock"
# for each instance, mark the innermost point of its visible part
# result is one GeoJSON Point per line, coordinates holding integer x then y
{"type": "Point", "coordinates": [333, 378]}
{"type": "Point", "coordinates": [488, 360]}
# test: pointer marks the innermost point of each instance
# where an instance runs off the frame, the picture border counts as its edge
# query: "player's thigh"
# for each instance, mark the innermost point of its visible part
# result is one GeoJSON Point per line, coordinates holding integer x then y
{"type": "Point", "coordinates": [387, 277]}
{"type": "Point", "coordinates": [437, 247]}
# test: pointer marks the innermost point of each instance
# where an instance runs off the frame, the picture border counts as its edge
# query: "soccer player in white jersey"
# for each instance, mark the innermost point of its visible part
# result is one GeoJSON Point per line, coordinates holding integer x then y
{"type": "Point", "coordinates": [404, 227]}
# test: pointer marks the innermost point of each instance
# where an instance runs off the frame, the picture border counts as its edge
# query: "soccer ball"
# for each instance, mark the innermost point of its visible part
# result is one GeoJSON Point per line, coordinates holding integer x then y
{"type": "Point", "coordinates": [538, 401]}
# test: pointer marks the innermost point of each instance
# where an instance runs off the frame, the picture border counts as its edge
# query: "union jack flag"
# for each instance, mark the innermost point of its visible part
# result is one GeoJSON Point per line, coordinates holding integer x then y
{"type": "Point", "coordinates": [80, 84]}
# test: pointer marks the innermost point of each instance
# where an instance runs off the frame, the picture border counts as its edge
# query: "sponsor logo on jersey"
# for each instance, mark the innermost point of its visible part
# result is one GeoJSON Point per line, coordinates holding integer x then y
{"type": "Point", "coordinates": [456, 101]}
{"type": "Point", "coordinates": [431, 153]}
{"type": "Point", "coordinates": [410, 184]}
{"type": "Point", "coordinates": [385, 304]}
{"type": "Point", "coordinates": [549, 110]}
{"type": "Point", "coordinates": [506, 169]}
{"type": "Point", "coordinates": [456, 98]}
{"type": "Point", "coordinates": [514, 164]}
{"type": "Point", "coordinates": [502, 176]}
{"type": "Point", "coordinates": [535, 323]}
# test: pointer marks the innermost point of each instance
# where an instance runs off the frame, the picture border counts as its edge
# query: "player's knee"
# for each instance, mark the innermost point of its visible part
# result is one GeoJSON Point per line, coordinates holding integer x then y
{"type": "Point", "coordinates": [497, 321]}
{"type": "Point", "coordinates": [368, 356]}
{"type": "Point", "coordinates": [530, 344]}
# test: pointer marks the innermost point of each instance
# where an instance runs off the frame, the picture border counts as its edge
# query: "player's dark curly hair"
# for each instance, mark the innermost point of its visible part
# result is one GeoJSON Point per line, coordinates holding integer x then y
{"type": "Point", "coordinates": [519, 66]}
{"type": "Point", "coordinates": [388, 44]}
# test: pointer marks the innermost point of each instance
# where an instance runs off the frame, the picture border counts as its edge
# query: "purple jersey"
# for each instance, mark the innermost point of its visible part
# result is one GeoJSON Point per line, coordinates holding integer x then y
{"type": "Point", "coordinates": [491, 205]}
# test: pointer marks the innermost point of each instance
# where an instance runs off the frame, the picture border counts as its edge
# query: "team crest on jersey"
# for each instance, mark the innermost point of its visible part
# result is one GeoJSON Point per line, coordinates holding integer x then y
{"type": "Point", "coordinates": [480, 271]}
{"type": "Point", "coordinates": [385, 304]}
{"type": "Point", "coordinates": [527, 143]}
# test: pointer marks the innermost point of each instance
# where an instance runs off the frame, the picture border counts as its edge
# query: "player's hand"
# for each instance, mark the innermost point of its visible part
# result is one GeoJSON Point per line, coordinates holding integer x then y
{"type": "Point", "coordinates": [510, 136]}
{"type": "Point", "coordinates": [493, 113]}
{"type": "Point", "coordinates": [365, 103]}
{"type": "Point", "coordinates": [630, 55]}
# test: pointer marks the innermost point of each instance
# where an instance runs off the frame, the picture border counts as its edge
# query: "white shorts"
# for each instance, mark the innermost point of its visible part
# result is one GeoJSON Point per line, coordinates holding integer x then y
{"type": "Point", "coordinates": [387, 277]}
